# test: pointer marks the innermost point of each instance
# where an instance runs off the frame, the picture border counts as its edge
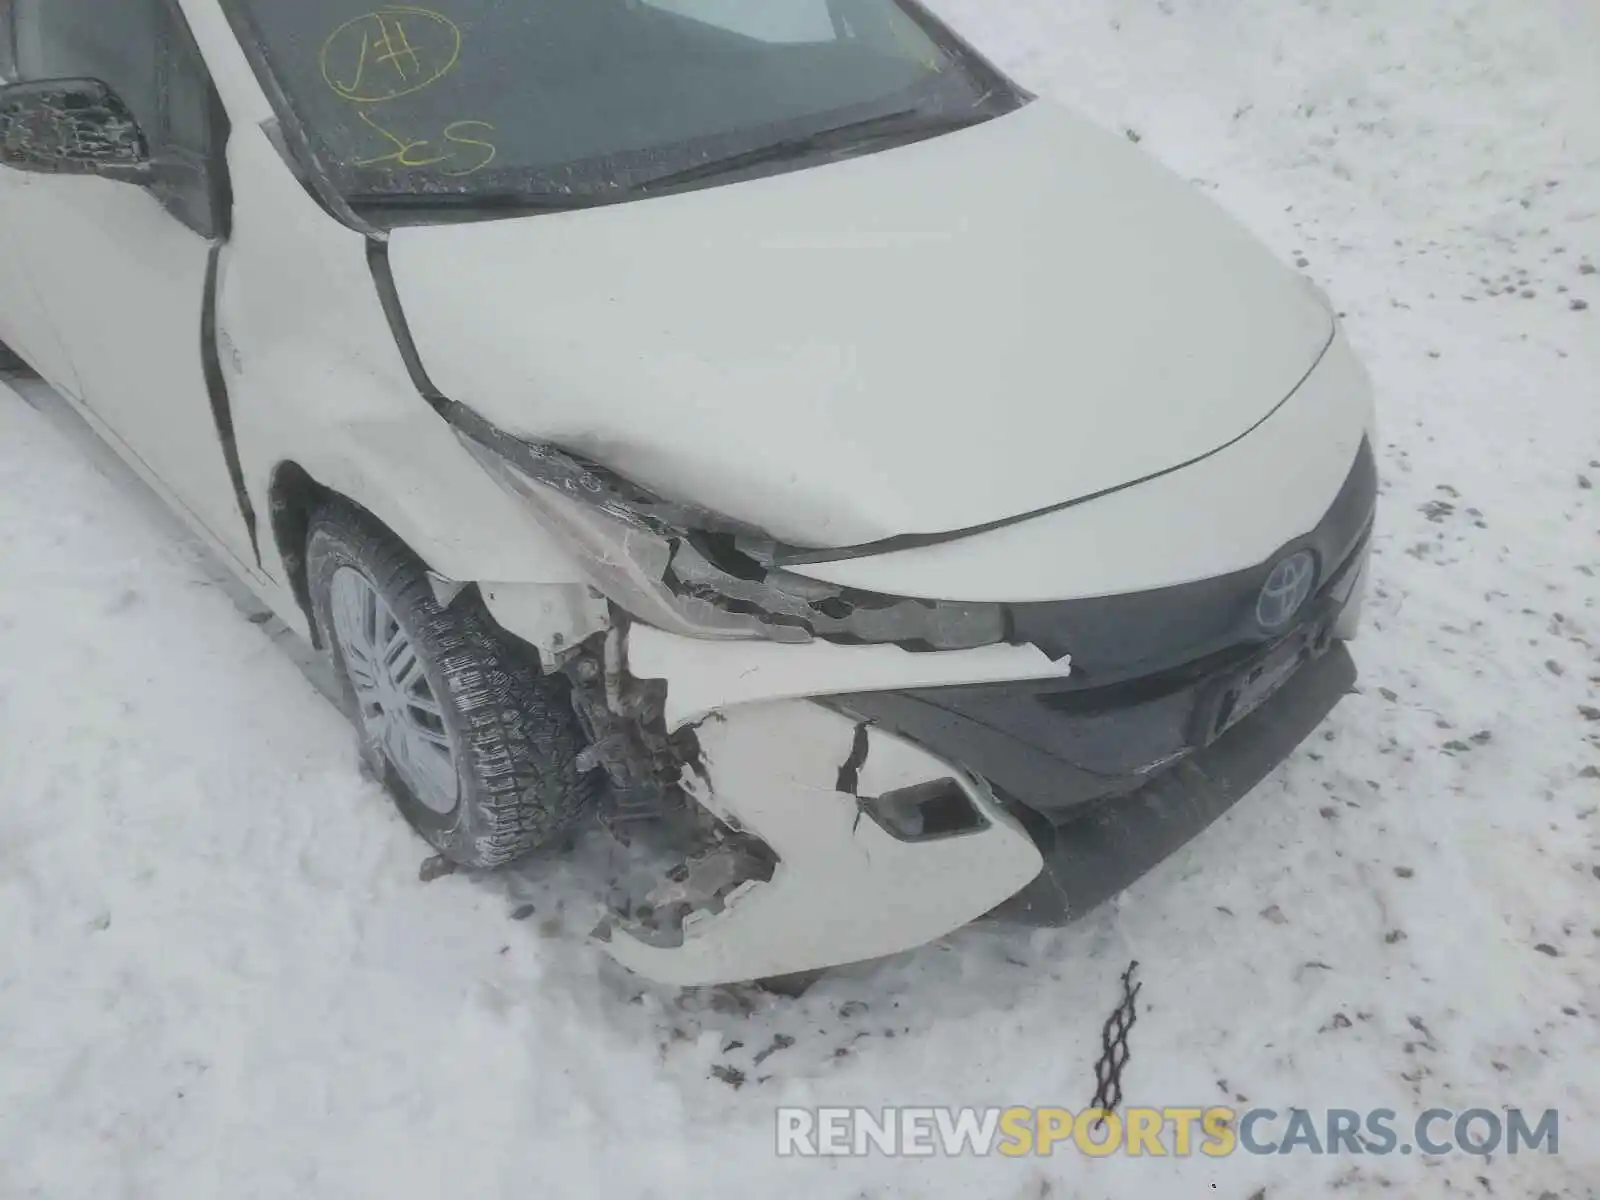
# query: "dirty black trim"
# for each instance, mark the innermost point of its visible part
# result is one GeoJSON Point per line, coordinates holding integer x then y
{"type": "Point", "coordinates": [218, 178]}
{"type": "Point", "coordinates": [292, 498]}
{"type": "Point", "coordinates": [1111, 844]}
{"type": "Point", "coordinates": [395, 314]}
{"type": "Point", "coordinates": [217, 391]}
{"type": "Point", "coordinates": [789, 556]}
{"type": "Point", "coordinates": [219, 183]}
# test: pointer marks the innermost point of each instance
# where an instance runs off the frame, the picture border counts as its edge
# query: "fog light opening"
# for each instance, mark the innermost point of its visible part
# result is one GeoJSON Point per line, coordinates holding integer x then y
{"type": "Point", "coordinates": [925, 812]}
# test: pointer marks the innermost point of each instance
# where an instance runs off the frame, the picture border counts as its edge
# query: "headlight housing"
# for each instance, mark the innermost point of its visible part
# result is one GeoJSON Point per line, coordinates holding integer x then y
{"type": "Point", "coordinates": [694, 572]}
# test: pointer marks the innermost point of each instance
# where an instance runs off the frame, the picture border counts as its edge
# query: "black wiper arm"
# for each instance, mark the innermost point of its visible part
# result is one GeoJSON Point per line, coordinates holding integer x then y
{"type": "Point", "coordinates": [530, 201]}
{"type": "Point", "coordinates": [909, 124]}
{"type": "Point", "coordinates": [911, 121]}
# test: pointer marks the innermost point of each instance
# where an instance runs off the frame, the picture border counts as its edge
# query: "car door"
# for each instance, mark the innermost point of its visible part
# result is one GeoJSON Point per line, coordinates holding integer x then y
{"type": "Point", "coordinates": [24, 328]}
{"type": "Point", "coordinates": [125, 271]}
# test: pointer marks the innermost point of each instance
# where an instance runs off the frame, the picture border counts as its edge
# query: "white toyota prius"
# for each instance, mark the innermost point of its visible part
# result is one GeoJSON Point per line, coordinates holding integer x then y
{"type": "Point", "coordinates": [761, 431]}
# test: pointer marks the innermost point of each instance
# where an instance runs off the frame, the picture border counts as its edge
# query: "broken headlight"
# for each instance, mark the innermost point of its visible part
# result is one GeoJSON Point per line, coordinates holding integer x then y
{"type": "Point", "coordinates": [694, 572]}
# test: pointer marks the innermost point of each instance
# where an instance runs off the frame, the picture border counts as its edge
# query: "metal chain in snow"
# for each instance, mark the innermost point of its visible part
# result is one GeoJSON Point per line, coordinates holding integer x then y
{"type": "Point", "coordinates": [1114, 1046]}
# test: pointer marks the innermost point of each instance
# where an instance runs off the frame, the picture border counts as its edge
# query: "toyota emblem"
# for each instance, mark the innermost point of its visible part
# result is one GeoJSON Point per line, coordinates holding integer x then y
{"type": "Point", "coordinates": [1286, 590]}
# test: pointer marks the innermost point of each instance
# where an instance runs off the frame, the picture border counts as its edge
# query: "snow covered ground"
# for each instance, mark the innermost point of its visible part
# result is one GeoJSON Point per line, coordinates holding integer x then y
{"type": "Point", "coordinates": [221, 977]}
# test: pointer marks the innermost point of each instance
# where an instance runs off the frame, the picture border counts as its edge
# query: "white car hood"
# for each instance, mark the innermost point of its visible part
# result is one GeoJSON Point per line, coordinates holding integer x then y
{"type": "Point", "coordinates": [916, 341]}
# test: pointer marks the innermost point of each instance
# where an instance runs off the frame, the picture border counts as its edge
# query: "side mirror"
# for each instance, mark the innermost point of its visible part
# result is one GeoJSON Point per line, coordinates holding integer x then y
{"type": "Point", "coordinates": [71, 127]}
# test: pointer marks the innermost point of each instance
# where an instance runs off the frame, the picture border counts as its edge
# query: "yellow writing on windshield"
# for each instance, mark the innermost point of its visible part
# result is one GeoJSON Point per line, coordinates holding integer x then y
{"type": "Point", "coordinates": [392, 52]}
{"type": "Point", "coordinates": [455, 133]}
{"type": "Point", "coordinates": [464, 154]}
{"type": "Point", "coordinates": [398, 51]}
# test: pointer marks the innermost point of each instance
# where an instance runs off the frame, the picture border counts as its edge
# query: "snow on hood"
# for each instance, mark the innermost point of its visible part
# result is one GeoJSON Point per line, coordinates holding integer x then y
{"type": "Point", "coordinates": [915, 341]}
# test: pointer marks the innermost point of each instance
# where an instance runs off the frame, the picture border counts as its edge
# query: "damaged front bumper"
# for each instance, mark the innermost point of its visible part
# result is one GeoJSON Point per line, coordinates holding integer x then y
{"type": "Point", "coordinates": [847, 885]}
{"type": "Point", "coordinates": [897, 816]}
{"type": "Point", "coordinates": [883, 838]}
{"type": "Point", "coordinates": [869, 798]}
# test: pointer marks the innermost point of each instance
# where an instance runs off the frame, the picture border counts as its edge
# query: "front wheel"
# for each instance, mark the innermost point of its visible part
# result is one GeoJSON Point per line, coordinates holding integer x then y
{"type": "Point", "coordinates": [477, 746]}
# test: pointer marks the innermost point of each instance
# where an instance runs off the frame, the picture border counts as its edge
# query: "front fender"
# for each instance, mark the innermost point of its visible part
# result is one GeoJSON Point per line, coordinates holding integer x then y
{"type": "Point", "coordinates": [315, 377]}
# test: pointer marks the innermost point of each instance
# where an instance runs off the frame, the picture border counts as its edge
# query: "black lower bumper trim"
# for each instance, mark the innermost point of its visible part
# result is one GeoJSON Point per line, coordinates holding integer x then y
{"type": "Point", "coordinates": [1113, 842]}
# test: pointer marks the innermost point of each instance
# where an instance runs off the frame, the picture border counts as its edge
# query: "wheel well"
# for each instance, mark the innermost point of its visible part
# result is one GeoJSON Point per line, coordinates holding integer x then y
{"type": "Point", "coordinates": [10, 360]}
{"type": "Point", "coordinates": [293, 498]}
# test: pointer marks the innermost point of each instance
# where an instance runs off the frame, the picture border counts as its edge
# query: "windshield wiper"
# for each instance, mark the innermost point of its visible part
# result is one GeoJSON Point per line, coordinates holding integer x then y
{"type": "Point", "coordinates": [530, 201]}
{"type": "Point", "coordinates": [905, 125]}
{"type": "Point", "coordinates": [909, 124]}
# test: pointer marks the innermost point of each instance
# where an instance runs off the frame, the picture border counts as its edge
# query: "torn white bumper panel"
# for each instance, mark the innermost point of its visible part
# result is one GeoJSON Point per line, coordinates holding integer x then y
{"type": "Point", "coordinates": [845, 888]}
{"type": "Point", "coordinates": [707, 676]}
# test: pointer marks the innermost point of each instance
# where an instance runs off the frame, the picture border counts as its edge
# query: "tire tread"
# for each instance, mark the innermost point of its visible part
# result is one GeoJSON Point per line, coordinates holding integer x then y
{"type": "Point", "coordinates": [521, 784]}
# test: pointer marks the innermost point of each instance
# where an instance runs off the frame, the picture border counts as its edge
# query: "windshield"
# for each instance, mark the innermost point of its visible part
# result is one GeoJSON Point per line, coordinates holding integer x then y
{"type": "Point", "coordinates": [589, 100]}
